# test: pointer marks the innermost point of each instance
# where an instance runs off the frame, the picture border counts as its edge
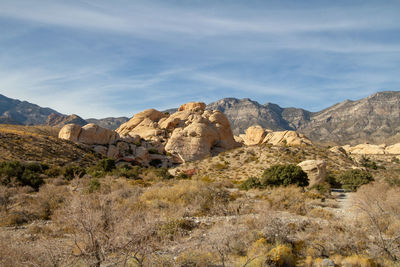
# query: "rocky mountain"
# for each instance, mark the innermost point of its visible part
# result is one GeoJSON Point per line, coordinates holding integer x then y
{"type": "Point", "coordinates": [59, 120]}
{"type": "Point", "coordinates": [16, 112]}
{"type": "Point", "coordinates": [13, 111]}
{"type": "Point", "coordinates": [244, 113]}
{"type": "Point", "coordinates": [373, 119]}
{"type": "Point", "coordinates": [109, 123]}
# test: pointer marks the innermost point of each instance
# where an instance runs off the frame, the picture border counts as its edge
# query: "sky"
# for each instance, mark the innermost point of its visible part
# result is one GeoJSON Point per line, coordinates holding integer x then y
{"type": "Point", "coordinates": [101, 58]}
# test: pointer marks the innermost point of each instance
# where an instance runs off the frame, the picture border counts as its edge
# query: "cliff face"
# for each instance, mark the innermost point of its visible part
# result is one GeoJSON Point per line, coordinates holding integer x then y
{"type": "Point", "coordinates": [244, 113]}
{"type": "Point", "coordinates": [374, 119]}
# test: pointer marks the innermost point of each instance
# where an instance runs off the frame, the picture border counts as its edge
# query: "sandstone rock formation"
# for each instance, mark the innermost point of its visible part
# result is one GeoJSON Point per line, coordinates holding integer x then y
{"type": "Point", "coordinates": [257, 135]}
{"type": "Point", "coordinates": [189, 134]}
{"type": "Point", "coordinates": [109, 144]}
{"type": "Point", "coordinates": [393, 149]}
{"type": "Point", "coordinates": [70, 132]}
{"type": "Point", "coordinates": [370, 149]}
{"type": "Point", "coordinates": [365, 149]}
{"type": "Point", "coordinates": [254, 135]}
{"type": "Point", "coordinates": [315, 169]}
{"type": "Point", "coordinates": [338, 150]}
{"type": "Point", "coordinates": [290, 138]}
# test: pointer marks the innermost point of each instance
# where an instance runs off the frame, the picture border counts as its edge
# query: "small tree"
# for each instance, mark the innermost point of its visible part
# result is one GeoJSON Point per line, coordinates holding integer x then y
{"type": "Point", "coordinates": [284, 175]}
{"type": "Point", "coordinates": [353, 179]}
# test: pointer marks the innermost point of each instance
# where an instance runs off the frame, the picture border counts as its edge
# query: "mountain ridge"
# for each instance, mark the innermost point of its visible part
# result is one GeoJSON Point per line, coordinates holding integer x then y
{"type": "Point", "coordinates": [373, 119]}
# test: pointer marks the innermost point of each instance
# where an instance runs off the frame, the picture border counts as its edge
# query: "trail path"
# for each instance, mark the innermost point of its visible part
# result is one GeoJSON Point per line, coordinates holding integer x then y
{"type": "Point", "coordinates": [346, 209]}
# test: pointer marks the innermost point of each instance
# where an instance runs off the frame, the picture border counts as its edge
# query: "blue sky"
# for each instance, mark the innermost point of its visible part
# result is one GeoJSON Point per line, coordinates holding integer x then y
{"type": "Point", "coordinates": [100, 58]}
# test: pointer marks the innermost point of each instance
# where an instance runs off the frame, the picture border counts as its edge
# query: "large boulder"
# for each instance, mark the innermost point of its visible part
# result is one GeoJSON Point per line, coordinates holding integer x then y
{"type": "Point", "coordinates": [254, 135]}
{"type": "Point", "coordinates": [366, 149]}
{"type": "Point", "coordinates": [143, 124]}
{"type": "Point", "coordinates": [93, 134]}
{"type": "Point", "coordinates": [192, 106]}
{"type": "Point", "coordinates": [70, 132]}
{"type": "Point", "coordinates": [315, 169]}
{"type": "Point", "coordinates": [393, 149]}
{"type": "Point", "coordinates": [290, 138]}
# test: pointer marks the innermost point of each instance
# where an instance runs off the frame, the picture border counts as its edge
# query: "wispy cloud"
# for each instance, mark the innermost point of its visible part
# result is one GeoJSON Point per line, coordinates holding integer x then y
{"type": "Point", "coordinates": [102, 58]}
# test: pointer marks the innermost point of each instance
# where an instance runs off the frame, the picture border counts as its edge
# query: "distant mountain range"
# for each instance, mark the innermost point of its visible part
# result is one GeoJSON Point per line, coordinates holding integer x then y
{"type": "Point", "coordinates": [13, 111]}
{"type": "Point", "coordinates": [374, 119]}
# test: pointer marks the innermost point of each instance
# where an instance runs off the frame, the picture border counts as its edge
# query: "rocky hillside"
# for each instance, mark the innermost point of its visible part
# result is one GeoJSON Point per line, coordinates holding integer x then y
{"type": "Point", "coordinates": [373, 119]}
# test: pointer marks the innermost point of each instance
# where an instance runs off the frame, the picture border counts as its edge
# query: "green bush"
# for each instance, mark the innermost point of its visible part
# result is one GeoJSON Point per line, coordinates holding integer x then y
{"type": "Point", "coordinates": [15, 173]}
{"type": "Point", "coordinates": [353, 179]}
{"type": "Point", "coordinates": [32, 179]}
{"type": "Point", "coordinates": [285, 175]}
{"type": "Point", "coordinates": [163, 173]}
{"type": "Point", "coordinates": [252, 182]}
{"type": "Point", "coordinates": [72, 171]}
{"type": "Point", "coordinates": [10, 170]}
{"type": "Point", "coordinates": [94, 185]}
{"type": "Point", "coordinates": [128, 171]}
{"type": "Point", "coordinates": [106, 165]}
{"type": "Point", "coordinates": [367, 163]}
{"type": "Point", "coordinates": [153, 151]}
{"type": "Point", "coordinates": [333, 180]}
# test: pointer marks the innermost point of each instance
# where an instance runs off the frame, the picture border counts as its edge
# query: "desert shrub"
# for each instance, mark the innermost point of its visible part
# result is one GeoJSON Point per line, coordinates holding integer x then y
{"type": "Point", "coordinates": [290, 198]}
{"type": "Point", "coordinates": [322, 188]}
{"type": "Point", "coordinates": [333, 180]}
{"type": "Point", "coordinates": [155, 162]}
{"type": "Point", "coordinates": [197, 197]}
{"type": "Point", "coordinates": [182, 176]}
{"type": "Point", "coordinates": [196, 258]}
{"type": "Point", "coordinates": [220, 166]}
{"type": "Point", "coordinates": [175, 228]}
{"type": "Point", "coordinates": [353, 179]}
{"type": "Point", "coordinates": [10, 170]}
{"type": "Point", "coordinates": [53, 171]}
{"type": "Point", "coordinates": [106, 165]}
{"type": "Point", "coordinates": [128, 171]}
{"type": "Point", "coordinates": [281, 255]}
{"type": "Point", "coordinates": [285, 175]}
{"type": "Point", "coordinates": [71, 171]}
{"type": "Point", "coordinates": [31, 179]}
{"type": "Point", "coordinates": [162, 173]}
{"type": "Point", "coordinates": [153, 150]}
{"type": "Point", "coordinates": [251, 182]}
{"type": "Point", "coordinates": [94, 185]}
{"type": "Point", "coordinates": [15, 173]}
{"type": "Point", "coordinates": [367, 163]}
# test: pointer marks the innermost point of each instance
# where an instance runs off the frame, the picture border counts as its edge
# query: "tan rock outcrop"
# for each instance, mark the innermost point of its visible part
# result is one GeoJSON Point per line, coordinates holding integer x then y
{"type": "Point", "coordinates": [338, 150]}
{"type": "Point", "coordinates": [192, 106]}
{"type": "Point", "coordinates": [315, 169]}
{"type": "Point", "coordinates": [366, 149]}
{"type": "Point", "coordinates": [254, 135]}
{"type": "Point", "coordinates": [143, 124]}
{"type": "Point", "coordinates": [393, 149]}
{"type": "Point", "coordinates": [93, 134]}
{"type": "Point", "coordinates": [189, 134]}
{"type": "Point", "coordinates": [70, 132]}
{"type": "Point", "coordinates": [290, 138]}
